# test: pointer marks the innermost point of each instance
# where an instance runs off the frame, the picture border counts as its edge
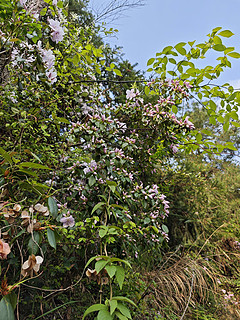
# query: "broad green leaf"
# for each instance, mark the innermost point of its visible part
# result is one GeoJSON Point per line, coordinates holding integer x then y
{"type": "Point", "coordinates": [226, 33]}
{"type": "Point", "coordinates": [119, 298]}
{"type": "Point", "coordinates": [32, 154]}
{"type": "Point", "coordinates": [220, 119]}
{"type": "Point", "coordinates": [234, 115]}
{"type": "Point", "coordinates": [180, 49]}
{"type": "Point", "coordinates": [12, 299]}
{"type": "Point", "coordinates": [6, 309]}
{"type": "Point", "coordinates": [91, 181]}
{"type": "Point", "coordinates": [97, 206]}
{"type": "Point", "coordinates": [212, 105]}
{"type": "Point", "coordinates": [226, 126]}
{"type": "Point", "coordinates": [113, 305]}
{"type": "Point", "coordinates": [174, 109]}
{"type": "Point", "coordinates": [51, 238]}
{"type": "Point", "coordinates": [103, 232]}
{"type": "Point", "coordinates": [199, 137]}
{"type": "Point", "coordinates": [104, 315]}
{"type": "Point", "coordinates": [229, 145]}
{"type": "Point", "coordinates": [120, 316]}
{"type": "Point", "coordinates": [5, 155]}
{"type": "Point", "coordinates": [234, 55]}
{"type": "Point", "coordinates": [120, 276]}
{"type": "Point", "coordinates": [53, 208]}
{"type": "Point", "coordinates": [112, 185]}
{"type": "Point", "coordinates": [93, 308]}
{"type": "Point", "coordinates": [33, 165]}
{"type": "Point", "coordinates": [205, 131]}
{"type": "Point", "coordinates": [111, 270]}
{"type": "Point", "coordinates": [33, 245]}
{"type": "Point", "coordinates": [165, 228]}
{"type": "Point", "coordinates": [150, 61]}
{"type": "Point", "coordinates": [99, 265]}
{"type": "Point", "coordinates": [117, 72]}
{"type": "Point", "coordinates": [124, 310]}
{"type": "Point", "coordinates": [43, 11]}
{"type": "Point", "coordinates": [93, 258]}
{"type": "Point", "coordinates": [28, 172]}
{"type": "Point", "coordinates": [236, 124]}
{"type": "Point", "coordinates": [219, 47]}
{"type": "Point", "coordinates": [120, 260]}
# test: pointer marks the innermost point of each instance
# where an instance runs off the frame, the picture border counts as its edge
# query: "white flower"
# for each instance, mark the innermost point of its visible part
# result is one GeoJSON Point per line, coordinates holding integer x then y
{"type": "Point", "coordinates": [57, 31]}
{"type": "Point", "coordinates": [130, 94]}
{"type": "Point", "coordinates": [32, 264]}
{"type": "Point", "coordinates": [52, 75]}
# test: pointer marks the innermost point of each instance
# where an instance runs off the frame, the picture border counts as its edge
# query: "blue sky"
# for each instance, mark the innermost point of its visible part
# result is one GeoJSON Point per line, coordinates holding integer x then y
{"type": "Point", "coordinates": [146, 30]}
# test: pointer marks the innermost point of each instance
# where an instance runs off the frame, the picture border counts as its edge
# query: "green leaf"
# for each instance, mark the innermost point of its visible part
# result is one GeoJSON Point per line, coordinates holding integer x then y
{"type": "Point", "coordinates": [53, 208]}
{"type": "Point", "coordinates": [120, 260]}
{"type": "Point", "coordinates": [229, 145]}
{"type": "Point", "coordinates": [234, 55]}
{"type": "Point", "coordinates": [120, 275]}
{"type": "Point", "coordinates": [113, 305]}
{"type": "Point", "coordinates": [99, 265]}
{"type": "Point", "coordinates": [28, 172]}
{"type": "Point", "coordinates": [212, 120]}
{"type": "Point", "coordinates": [119, 298]}
{"type": "Point", "coordinates": [226, 33]}
{"type": "Point", "coordinates": [43, 11]}
{"type": "Point", "coordinates": [103, 232]}
{"type": "Point", "coordinates": [120, 316]}
{"type": "Point", "coordinates": [226, 126]}
{"type": "Point", "coordinates": [93, 308]}
{"type": "Point", "coordinates": [112, 185]}
{"type": "Point", "coordinates": [91, 181]}
{"type": "Point", "coordinates": [207, 132]}
{"type": "Point", "coordinates": [12, 299]}
{"type": "Point", "coordinates": [104, 315]}
{"type": "Point", "coordinates": [165, 228]}
{"type": "Point", "coordinates": [5, 155]}
{"type": "Point", "coordinates": [150, 61]}
{"type": "Point", "coordinates": [199, 137]}
{"type": "Point", "coordinates": [124, 310]}
{"type": "Point", "coordinates": [220, 119]}
{"type": "Point", "coordinates": [212, 105]}
{"type": "Point", "coordinates": [51, 238]}
{"type": "Point", "coordinates": [117, 72]}
{"type": "Point", "coordinates": [33, 245]}
{"type": "Point", "coordinates": [97, 206]}
{"type": "Point", "coordinates": [174, 109]}
{"type": "Point", "coordinates": [33, 165]}
{"type": "Point", "coordinates": [6, 309]}
{"type": "Point", "coordinates": [180, 49]}
{"type": "Point", "coordinates": [111, 270]}
{"type": "Point", "coordinates": [219, 47]}
{"type": "Point", "coordinates": [236, 124]}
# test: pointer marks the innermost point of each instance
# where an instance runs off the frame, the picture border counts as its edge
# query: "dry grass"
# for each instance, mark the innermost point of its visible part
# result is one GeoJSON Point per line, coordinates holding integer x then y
{"type": "Point", "coordinates": [182, 283]}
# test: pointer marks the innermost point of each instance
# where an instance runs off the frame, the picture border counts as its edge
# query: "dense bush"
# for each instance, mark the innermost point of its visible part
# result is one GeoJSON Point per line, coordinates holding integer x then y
{"type": "Point", "coordinates": [90, 186]}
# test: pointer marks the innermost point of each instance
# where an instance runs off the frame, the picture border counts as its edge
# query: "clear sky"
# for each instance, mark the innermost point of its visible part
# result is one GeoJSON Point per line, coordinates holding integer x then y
{"type": "Point", "coordinates": [146, 30]}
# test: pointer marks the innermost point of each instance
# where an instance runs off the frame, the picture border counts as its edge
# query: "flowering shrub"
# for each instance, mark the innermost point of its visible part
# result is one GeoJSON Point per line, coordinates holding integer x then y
{"type": "Point", "coordinates": [79, 174]}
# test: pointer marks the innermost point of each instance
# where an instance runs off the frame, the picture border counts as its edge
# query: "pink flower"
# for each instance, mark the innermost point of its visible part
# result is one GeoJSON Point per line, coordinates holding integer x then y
{"type": "Point", "coordinates": [188, 123]}
{"type": "Point", "coordinates": [4, 249]}
{"type": "Point", "coordinates": [174, 148]}
{"type": "Point", "coordinates": [57, 31]}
